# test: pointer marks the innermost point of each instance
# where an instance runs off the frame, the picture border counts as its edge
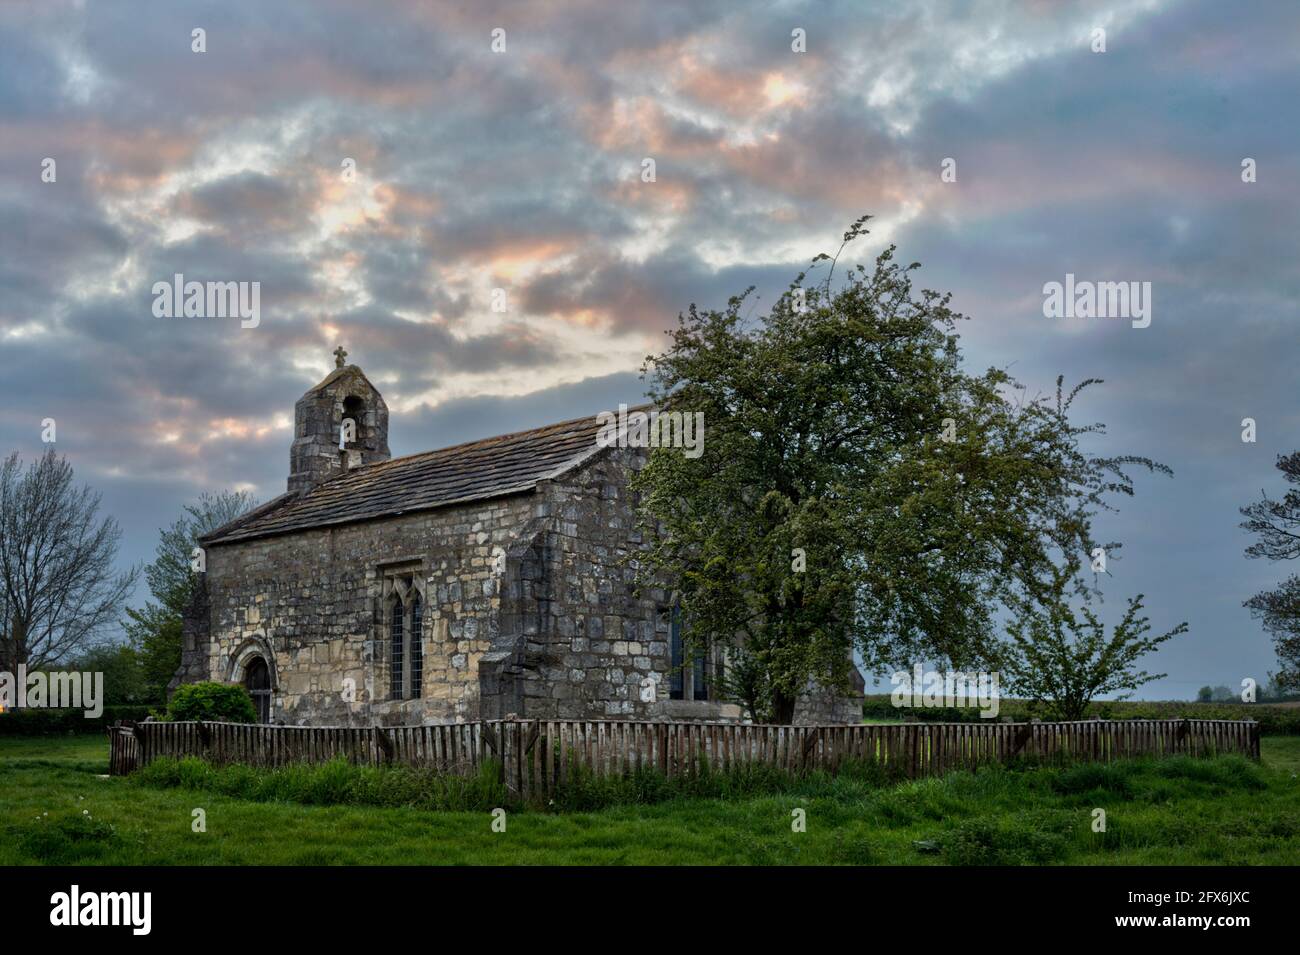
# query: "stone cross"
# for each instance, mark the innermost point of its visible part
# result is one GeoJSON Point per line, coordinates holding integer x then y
{"type": "Point", "coordinates": [339, 355]}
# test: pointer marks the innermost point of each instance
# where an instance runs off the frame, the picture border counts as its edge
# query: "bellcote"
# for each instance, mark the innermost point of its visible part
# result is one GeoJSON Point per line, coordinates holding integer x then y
{"type": "Point", "coordinates": [340, 424]}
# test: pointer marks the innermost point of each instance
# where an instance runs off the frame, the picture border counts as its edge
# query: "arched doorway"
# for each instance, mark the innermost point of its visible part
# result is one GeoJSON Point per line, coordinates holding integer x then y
{"type": "Point", "coordinates": [257, 680]}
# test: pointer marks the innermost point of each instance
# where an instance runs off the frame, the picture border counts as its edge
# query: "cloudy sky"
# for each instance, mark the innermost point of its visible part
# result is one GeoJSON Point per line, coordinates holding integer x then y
{"type": "Point", "coordinates": [521, 170]}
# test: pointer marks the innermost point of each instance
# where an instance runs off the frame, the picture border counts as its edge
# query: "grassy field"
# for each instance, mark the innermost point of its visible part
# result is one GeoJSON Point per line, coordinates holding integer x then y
{"type": "Point", "coordinates": [54, 808]}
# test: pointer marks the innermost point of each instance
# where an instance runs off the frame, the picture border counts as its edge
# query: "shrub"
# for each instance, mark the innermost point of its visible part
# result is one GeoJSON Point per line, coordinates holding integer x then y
{"type": "Point", "coordinates": [212, 701]}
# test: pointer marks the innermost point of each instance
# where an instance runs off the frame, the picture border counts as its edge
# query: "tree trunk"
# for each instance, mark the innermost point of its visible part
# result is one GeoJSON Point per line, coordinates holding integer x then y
{"type": "Point", "coordinates": [783, 708]}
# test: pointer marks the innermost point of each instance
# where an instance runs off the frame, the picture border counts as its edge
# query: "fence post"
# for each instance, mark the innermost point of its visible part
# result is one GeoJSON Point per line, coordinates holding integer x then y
{"type": "Point", "coordinates": [114, 749]}
{"type": "Point", "coordinates": [496, 743]}
{"type": "Point", "coordinates": [511, 766]}
{"type": "Point", "coordinates": [385, 744]}
{"type": "Point", "coordinates": [205, 737]}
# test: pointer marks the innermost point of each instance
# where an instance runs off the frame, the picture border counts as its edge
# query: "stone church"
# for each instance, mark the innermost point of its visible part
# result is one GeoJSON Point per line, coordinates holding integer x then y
{"type": "Point", "coordinates": [472, 582]}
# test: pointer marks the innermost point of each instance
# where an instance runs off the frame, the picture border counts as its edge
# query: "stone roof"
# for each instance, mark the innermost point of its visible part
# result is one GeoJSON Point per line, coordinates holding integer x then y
{"type": "Point", "coordinates": [492, 467]}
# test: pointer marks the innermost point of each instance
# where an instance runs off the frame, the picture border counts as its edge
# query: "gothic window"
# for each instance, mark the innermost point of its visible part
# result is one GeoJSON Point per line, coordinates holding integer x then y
{"type": "Point", "coordinates": [403, 596]}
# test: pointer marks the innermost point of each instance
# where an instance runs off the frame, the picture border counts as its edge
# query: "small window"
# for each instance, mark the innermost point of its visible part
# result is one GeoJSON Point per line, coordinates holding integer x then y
{"type": "Point", "coordinates": [676, 676]}
{"type": "Point", "coordinates": [403, 596]}
{"type": "Point", "coordinates": [686, 682]}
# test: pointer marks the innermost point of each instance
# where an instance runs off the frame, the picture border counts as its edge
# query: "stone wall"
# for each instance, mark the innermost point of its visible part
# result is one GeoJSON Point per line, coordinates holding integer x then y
{"type": "Point", "coordinates": [311, 602]}
{"type": "Point", "coordinates": [601, 637]}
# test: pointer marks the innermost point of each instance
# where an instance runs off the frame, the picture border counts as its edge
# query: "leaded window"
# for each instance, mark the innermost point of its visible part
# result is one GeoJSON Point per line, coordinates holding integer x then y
{"type": "Point", "coordinates": [403, 597]}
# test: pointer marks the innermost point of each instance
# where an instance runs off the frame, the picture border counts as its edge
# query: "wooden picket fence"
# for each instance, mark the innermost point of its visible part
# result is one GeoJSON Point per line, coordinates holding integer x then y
{"type": "Point", "coordinates": [536, 756]}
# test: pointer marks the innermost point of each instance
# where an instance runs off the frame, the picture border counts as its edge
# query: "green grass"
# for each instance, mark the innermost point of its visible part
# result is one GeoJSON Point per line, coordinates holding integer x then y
{"type": "Point", "coordinates": [1226, 811]}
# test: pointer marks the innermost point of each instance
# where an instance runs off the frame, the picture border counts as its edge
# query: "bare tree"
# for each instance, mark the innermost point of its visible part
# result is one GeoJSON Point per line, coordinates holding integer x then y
{"type": "Point", "coordinates": [1276, 522]}
{"type": "Point", "coordinates": [58, 588]}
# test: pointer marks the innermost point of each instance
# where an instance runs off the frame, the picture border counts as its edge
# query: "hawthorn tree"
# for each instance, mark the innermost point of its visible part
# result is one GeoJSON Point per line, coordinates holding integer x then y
{"type": "Point", "coordinates": [1277, 524]}
{"type": "Point", "coordinates": [858, 489]}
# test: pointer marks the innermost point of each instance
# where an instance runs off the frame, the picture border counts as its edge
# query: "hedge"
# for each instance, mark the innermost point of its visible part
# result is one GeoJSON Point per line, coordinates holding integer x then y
{"type": "Point", "coordinates": [43, 722]}
{"type": "Point", "coordinates": [1274, 719]}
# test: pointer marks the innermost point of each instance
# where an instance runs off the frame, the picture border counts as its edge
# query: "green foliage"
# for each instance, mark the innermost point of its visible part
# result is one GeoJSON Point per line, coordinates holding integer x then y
{"type": "Point", "coordinates": [154, 634]}
{"type": "Point", "coordinates": [211, 701]}
{"type": "Point", "coordinates": [858, 489]}
{"type": "Point", "coordinates": [171, 576]}
{"type": "Point", "coordinates": [154, 630]}
{"type": "Point", "coordinates": [126, 682]}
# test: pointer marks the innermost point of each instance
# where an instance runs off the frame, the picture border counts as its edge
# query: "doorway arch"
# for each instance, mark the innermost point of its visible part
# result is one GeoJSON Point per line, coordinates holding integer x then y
{"type": "Point", "coordinates": [253, 667]}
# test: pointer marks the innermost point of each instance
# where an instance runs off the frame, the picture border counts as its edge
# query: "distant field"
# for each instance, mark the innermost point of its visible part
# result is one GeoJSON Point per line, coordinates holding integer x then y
{"type": "Point", "coordinates": [54, 809]}
{"type": "Point", "coordinates": [1273, 718]}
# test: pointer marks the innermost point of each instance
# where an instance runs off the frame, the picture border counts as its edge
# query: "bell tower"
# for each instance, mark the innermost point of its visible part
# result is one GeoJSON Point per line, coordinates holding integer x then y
{"type": "Point", "coordinates": [340, 424]}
